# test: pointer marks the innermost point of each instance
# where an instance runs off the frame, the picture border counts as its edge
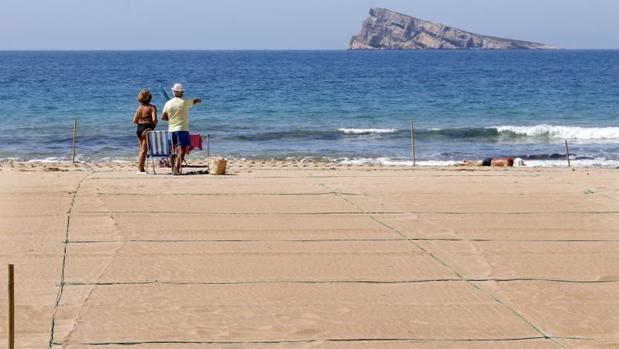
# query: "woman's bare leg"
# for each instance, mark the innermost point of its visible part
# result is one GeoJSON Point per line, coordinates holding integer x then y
{"type": "Point", "coordinates": [142, 154]}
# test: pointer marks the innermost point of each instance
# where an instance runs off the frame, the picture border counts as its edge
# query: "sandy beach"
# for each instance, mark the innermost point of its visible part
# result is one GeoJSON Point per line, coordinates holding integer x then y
{"type": "Point", "coordinates": [311, 255]}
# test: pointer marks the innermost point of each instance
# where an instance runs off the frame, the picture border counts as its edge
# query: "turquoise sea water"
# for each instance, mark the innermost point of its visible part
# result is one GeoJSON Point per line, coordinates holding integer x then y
{"type": "Point", "coordinates": [332, 105]}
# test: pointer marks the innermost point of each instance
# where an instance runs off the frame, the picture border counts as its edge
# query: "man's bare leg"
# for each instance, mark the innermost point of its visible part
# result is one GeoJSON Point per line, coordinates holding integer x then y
{"type": "Point", "coordinates": [172, 161]}
{"type": "Point", "coordinates": [183, 154]}
{"type": "Point", "coordinates": [179, 160]}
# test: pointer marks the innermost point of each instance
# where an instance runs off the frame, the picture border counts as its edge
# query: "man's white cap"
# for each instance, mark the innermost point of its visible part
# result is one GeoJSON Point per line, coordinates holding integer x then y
{"type": "Point", "coordinates": [178, 88]}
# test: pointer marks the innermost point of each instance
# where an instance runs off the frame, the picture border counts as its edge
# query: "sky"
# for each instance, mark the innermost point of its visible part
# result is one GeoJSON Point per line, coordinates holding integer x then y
{"type": "Point", "coordinates": [286, 24]}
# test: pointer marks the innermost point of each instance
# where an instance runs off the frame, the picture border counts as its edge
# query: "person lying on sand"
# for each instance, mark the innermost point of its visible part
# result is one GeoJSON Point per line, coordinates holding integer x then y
{"type": "Point", "coordinates": [145, 118]}
{"type": "Point", "coordinates": [500, 162]}
{"type": "Point", "coordinates": [490, 162]}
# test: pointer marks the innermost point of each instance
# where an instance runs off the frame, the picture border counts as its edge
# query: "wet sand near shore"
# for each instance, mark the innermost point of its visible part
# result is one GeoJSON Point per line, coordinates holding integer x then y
{"type": "Point", "coordinates": [311, 255]}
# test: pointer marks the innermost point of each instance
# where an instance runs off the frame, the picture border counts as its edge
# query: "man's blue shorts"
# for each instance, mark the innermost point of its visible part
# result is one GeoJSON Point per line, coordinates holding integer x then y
{"type": "Point", "coordinates": [180, 139]}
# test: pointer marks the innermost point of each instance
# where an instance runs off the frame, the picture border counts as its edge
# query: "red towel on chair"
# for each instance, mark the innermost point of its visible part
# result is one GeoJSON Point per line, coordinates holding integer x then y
{"type": "Point", "coordinates": [196, 142]}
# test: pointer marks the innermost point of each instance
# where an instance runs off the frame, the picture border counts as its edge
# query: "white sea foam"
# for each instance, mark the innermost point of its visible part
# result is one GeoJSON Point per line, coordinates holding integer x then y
{"type": "Point", "coordinates": [49, 160]}
{"type": "Point", "coordinates": [55, 160]}
{"type": "Point", "coordinates": [587, 163]}
{"type": "Point", "coordinates": [567, 132]}
{"type": "Point", "coordinates": [398, 162]}
{"type": "Point", "coordinates": [363, 131]}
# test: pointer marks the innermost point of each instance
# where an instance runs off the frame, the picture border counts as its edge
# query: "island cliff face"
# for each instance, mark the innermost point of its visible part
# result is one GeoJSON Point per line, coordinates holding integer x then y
{"type": "Point", "coordinates": [388, 30]}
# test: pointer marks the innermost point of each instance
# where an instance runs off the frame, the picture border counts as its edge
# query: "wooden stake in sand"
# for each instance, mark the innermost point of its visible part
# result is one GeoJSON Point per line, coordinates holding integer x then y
{"type": "Point", "coordinates": [413, 147]}
{"type": "Point", "coordinates": [74, 138]}
{"type": "Point", "coordinates": [208, 145]}
{"type": "Point", "coordinates": [567, 152]}
{"type": "Point", "coordinates": [11, 317]}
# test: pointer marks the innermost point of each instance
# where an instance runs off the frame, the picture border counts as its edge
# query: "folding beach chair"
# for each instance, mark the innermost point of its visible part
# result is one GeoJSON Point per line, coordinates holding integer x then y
{"type": "Point", "coordinates": [158, 143]}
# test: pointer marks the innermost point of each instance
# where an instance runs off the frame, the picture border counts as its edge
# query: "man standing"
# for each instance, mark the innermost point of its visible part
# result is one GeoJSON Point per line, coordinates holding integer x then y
{"type": "Point", "coordinates": [176, 112]}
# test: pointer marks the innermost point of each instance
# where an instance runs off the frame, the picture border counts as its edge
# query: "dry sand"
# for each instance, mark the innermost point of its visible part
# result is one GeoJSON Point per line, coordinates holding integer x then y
{"type": "Point", "coordinates": [306, 255]}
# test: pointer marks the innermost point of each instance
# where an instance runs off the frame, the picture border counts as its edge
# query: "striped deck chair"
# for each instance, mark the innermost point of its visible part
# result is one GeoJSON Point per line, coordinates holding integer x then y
{"type": "Point", "coordinates": [158, 143]}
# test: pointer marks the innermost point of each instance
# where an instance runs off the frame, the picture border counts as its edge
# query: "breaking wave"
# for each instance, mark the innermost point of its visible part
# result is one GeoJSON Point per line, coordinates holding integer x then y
{"type": "Point", "coordinates": [567, 132]}
{"type": "Point", "coordinates": [364, 131]}
{"type": "Point", "coordinates": [540, 132]}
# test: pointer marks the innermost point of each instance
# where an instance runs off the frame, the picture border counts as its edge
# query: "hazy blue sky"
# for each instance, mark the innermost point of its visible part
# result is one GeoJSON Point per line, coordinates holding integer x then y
{"type": "Point", "coordinates": [287, 24]}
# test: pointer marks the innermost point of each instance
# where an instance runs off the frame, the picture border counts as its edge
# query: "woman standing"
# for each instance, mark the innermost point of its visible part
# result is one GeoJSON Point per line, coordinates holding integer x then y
{"type": "Point", "coordinates": [145, 118]}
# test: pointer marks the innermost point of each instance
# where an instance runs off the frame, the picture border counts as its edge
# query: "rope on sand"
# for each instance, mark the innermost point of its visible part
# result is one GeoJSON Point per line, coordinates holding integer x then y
{"type": "Point", "coordinates": [229, 194]}
{"type": "Point", "coordinates": [306, 241]}
{"type": "Point", "coordinates": [453, 270]}
{"type": "Point", "coordinates": [64, 262]}
{"type": "Point", "coordinates": [349, 213]}
{"type": "Point", "coordinates": [336, 340]}
{"type": "Point", "coordinates": [322, 282]}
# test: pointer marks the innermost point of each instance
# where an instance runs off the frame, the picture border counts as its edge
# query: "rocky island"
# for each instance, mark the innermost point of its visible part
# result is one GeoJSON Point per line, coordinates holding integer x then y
{"type": "Point", "coordinates": [389, 30]}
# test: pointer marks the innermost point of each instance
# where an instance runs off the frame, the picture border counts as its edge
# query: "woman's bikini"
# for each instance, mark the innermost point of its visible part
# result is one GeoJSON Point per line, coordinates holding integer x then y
{"type": "Point", "coordinates": [145, 121]}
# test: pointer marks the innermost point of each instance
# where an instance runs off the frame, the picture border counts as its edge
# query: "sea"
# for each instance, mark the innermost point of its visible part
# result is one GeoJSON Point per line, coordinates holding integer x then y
{"type": "Point", "coordinates": [333, 106]}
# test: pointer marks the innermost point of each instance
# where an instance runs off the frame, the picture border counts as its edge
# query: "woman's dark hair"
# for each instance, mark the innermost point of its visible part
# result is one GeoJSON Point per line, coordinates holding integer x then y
{"type": "Point", "coordinates": [144, 96]}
